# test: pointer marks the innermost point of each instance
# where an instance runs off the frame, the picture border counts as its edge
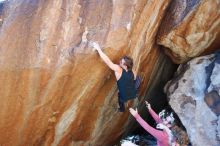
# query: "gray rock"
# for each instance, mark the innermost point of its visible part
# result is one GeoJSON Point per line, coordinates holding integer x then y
{"type": "Point", "coordinates": [194, 95]}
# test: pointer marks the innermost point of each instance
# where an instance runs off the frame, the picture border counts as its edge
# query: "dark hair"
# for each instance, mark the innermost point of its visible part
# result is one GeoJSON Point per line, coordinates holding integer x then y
{"type": "Point", "coordinates": [128, 62]}
{"type": "Point", "coordinates": [167, 112]}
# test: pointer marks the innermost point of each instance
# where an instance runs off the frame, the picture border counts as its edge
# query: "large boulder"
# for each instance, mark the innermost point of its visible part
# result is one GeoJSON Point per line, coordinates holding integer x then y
{"type": "Point", "coordinates": [189, 28]}
{"type": "Point", "coordinates": [54, 88]}
{"type": "Point", "coordinates": [194, 94]}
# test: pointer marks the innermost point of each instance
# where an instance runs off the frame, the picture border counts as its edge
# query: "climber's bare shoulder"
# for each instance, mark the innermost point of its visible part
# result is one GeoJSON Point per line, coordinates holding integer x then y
{"type": "Point", "coordinates": [118, 72]}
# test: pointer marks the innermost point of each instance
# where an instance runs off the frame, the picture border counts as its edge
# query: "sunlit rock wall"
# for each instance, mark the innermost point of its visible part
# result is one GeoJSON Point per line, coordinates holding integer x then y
{"type": "Point", "coordinates": [54, 89]}
{"type": "Point", "coordinates": [194, 94]}
{"type": "Point", "coordinates": [189, 28]}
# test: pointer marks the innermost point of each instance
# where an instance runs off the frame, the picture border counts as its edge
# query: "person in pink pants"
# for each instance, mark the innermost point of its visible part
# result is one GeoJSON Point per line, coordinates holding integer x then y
{"type": "Point", "coordinates": [164, 122]}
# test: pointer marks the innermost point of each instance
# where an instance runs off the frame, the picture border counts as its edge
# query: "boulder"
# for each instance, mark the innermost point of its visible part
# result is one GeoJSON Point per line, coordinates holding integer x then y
{"type": "Point", "coordinates": [54, 88]}
{"type": "Point", "coordinates": [194, 94]}
{"type": "Point", "coordinates": [190, 28]}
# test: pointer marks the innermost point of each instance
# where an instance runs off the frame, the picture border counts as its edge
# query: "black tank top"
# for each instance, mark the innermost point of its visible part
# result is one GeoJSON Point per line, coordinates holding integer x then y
{"type": "Point", "coordinates": [126, 86]}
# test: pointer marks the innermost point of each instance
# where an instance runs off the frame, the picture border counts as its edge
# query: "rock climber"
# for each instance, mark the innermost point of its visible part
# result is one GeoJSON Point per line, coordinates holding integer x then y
{"type": "Point", "coordinates": [124, 74]}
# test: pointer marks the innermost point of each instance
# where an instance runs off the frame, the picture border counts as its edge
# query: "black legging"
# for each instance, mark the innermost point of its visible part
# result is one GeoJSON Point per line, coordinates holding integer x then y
{"type": "Point", "coordinates": [121, 104]}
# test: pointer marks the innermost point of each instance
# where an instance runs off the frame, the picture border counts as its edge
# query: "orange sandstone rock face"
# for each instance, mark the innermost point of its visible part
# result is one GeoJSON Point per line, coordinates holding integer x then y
{"type": "Point", "coordinates": [54, 88]}
{"type": "Point", "coordinates": [190, 28]}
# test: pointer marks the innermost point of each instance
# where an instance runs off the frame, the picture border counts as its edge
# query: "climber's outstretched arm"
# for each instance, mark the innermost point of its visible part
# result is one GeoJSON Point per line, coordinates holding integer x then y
{"type": "Point", "coordinates": [106, 59]}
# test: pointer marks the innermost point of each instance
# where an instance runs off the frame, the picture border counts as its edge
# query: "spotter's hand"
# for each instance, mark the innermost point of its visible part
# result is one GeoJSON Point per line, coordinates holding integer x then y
{"type": "Point", "coordinates": [148, 105]}
{"type": "Point", "coordinates": [133, 112]}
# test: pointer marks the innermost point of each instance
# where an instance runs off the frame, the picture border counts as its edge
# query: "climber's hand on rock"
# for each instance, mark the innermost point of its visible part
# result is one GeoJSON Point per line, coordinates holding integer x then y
{"type": "Point", "coordinates": [148, 105]}
{"type": "Point", "coordinates": [96, 46]}
{"type": "Point", "coordinates": [133, 112]}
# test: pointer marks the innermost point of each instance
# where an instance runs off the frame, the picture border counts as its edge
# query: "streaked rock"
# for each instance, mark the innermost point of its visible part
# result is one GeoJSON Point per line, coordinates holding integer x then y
{"type": "Point", "coordinates": [54, 88]}
{"type": "Point", "coordinates": [190, 28]}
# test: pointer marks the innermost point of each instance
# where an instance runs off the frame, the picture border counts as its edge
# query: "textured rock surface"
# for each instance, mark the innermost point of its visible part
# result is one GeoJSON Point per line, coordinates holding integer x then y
{"type": "Point", "coordinates": [54, 89]}
{"type": "Point", "coordinates": [1, 12]}
{"type": "Point", "coordinates": [195, 96]}
{"type": "Point", "coordinates": [189, 28]}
